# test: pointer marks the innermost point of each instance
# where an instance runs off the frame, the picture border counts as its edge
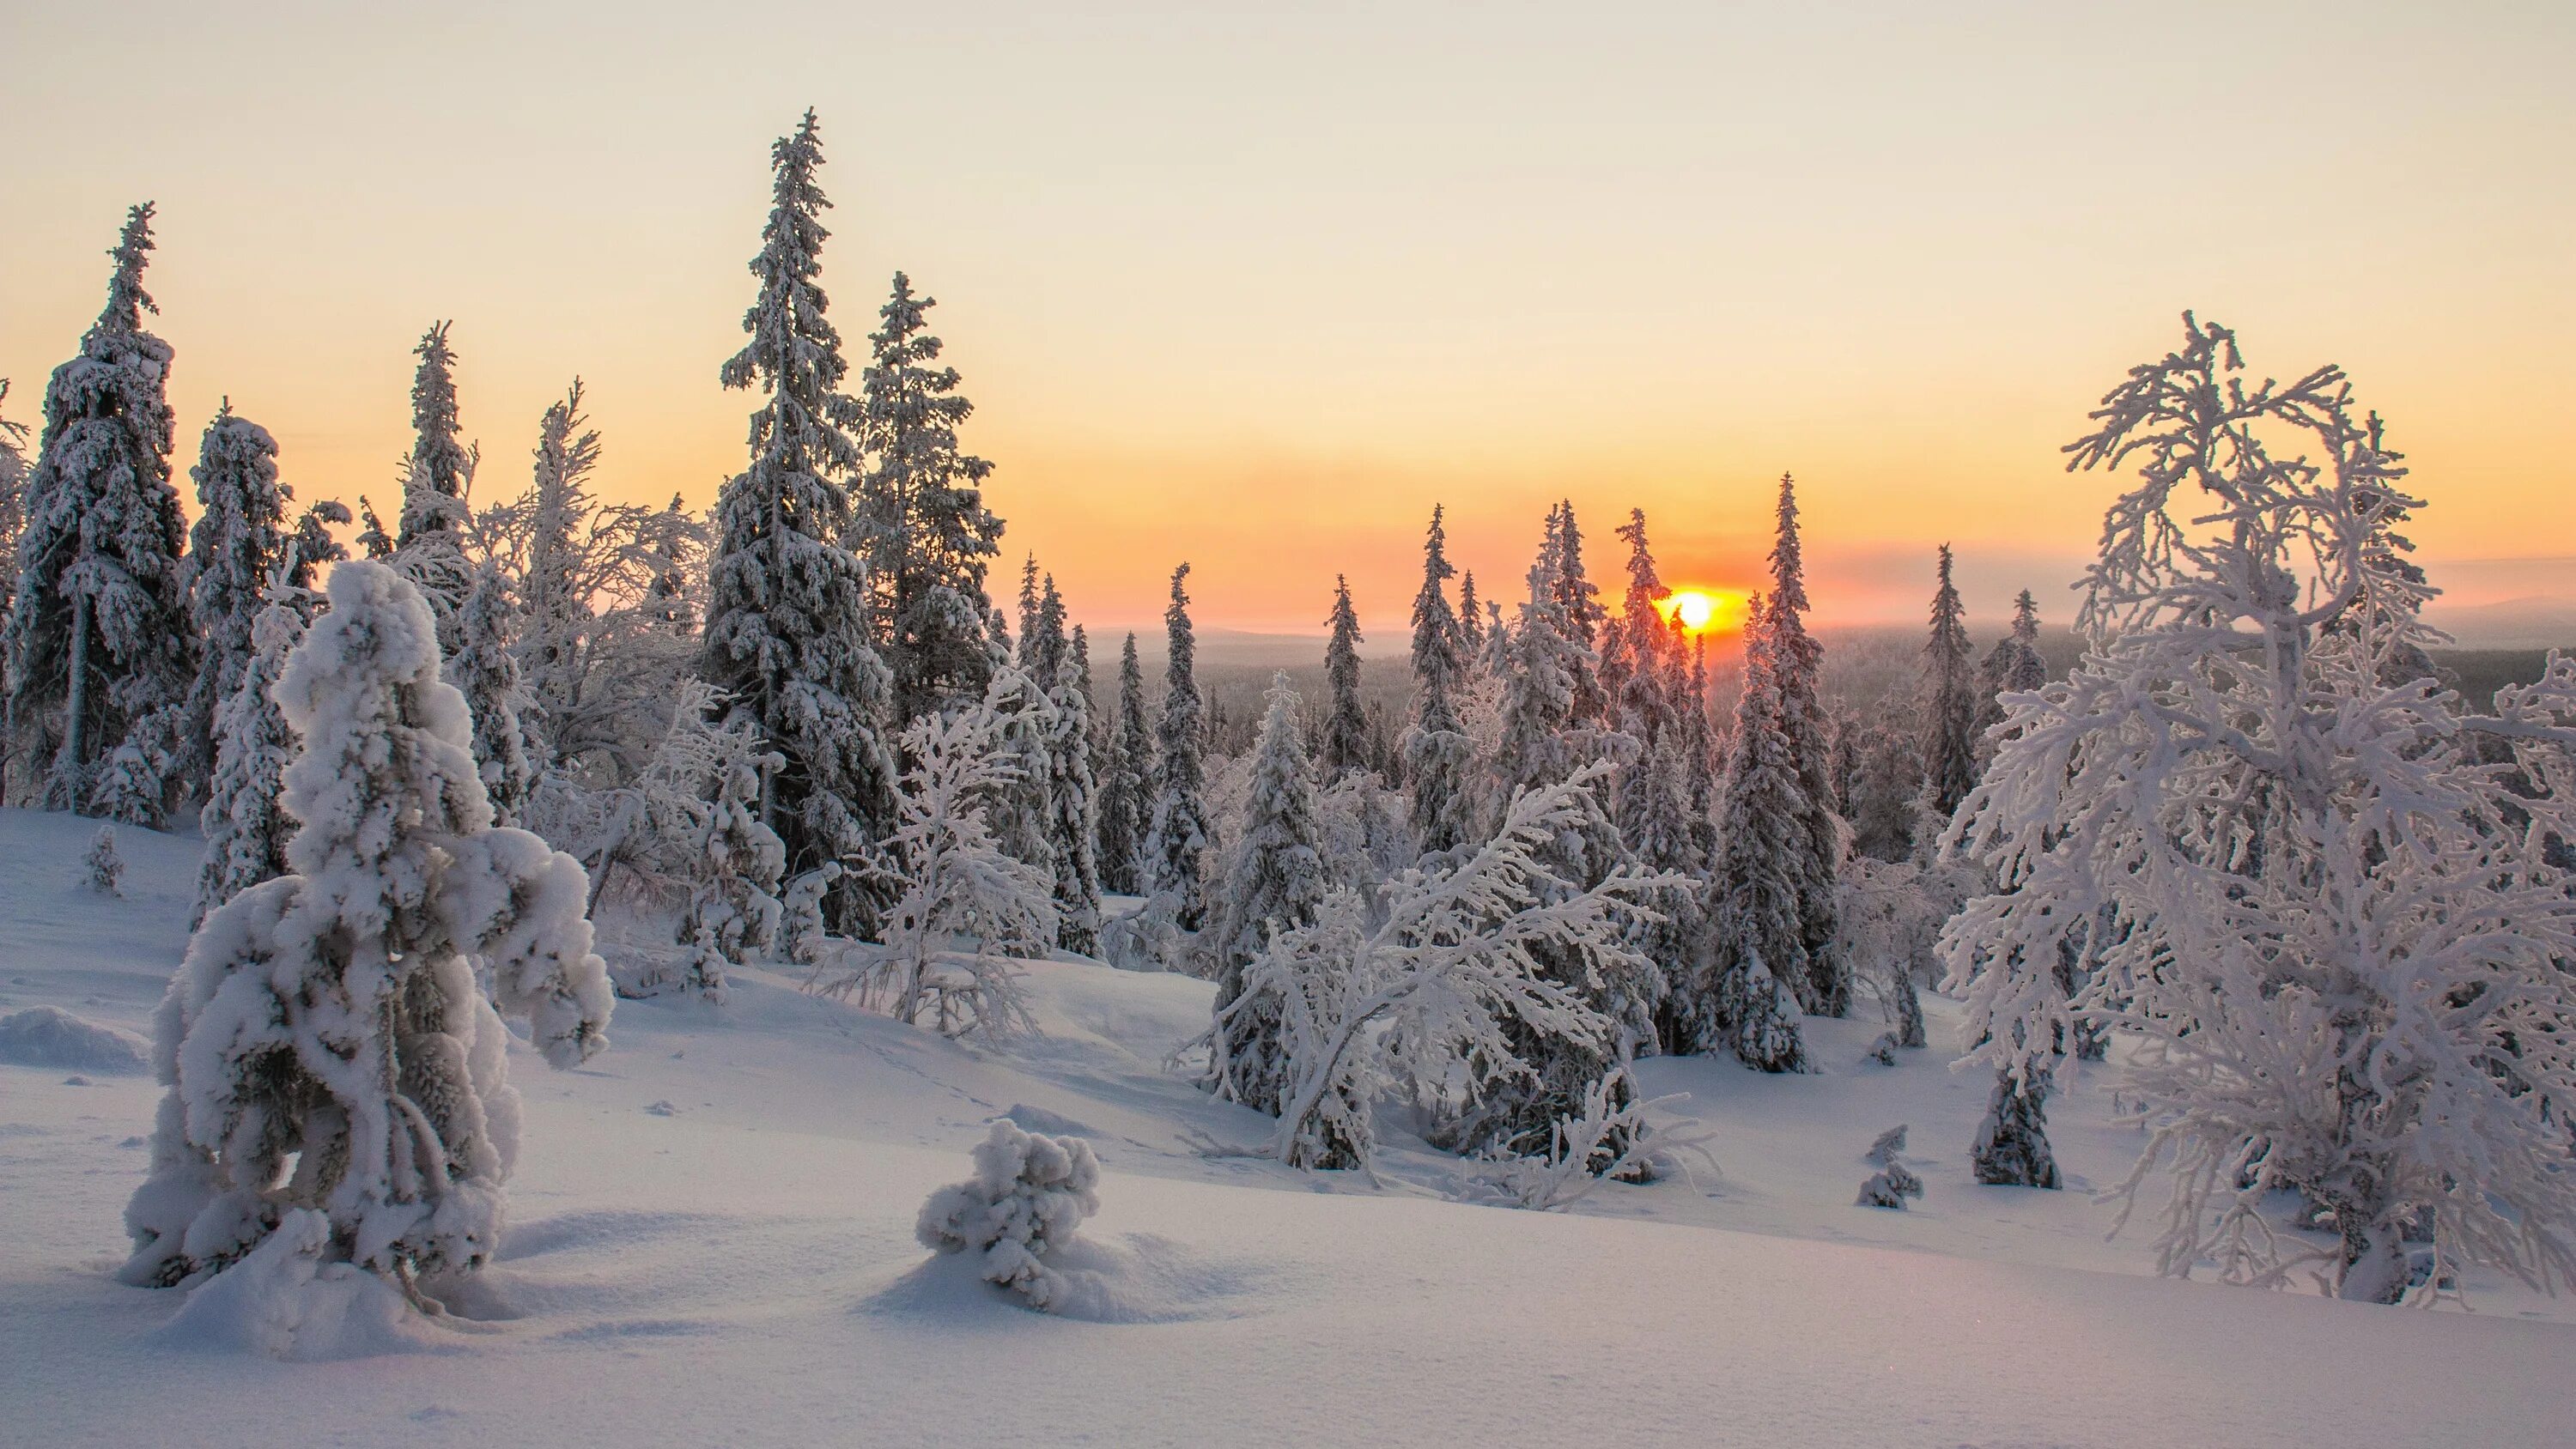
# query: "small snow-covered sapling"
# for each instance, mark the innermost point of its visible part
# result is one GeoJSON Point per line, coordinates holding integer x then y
{"type": "Point", "coordinates": [106, 867]}
{"type": "Point", "coordinates": [1028, 1195]}
{"type": "Point", "coordinates": [1894, 1182]}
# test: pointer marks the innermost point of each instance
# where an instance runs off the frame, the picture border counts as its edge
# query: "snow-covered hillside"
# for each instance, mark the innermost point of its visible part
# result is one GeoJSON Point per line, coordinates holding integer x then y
{"type": "Point", "coordinates": [712, 1243]}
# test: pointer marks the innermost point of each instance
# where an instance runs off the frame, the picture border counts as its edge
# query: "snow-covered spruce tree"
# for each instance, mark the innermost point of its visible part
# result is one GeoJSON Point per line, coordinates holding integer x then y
{"type": "Point", "coordinates": [786, 635]}
{"type": "Point", "coordinates": [1178, 835]}
{"type": "Point", "coordinates": [572, 553]}
{"type": "Point", "coordinates": [1580, 614]}
{"type": "Point", "coordinates": [921, 521]}
{"type": "Point", "coordinates": [737, 865]}
{"type": "Point", "coordinates": [1126, 790]}
{"type": "Point", "coordinates": [1797, 673]}
{"type": "Point", "coordinates": [1949, 703]}
{"type": "Point", "coordinates": [106, 868]}
{"type": "Point", "coordinates": [324, 1045]}
{"type": "Point", "coordinates": [1345, 745]}
{"type": "Point", "coordinates": [673, 542]}
{"type": "Point", "coordinates": [441, 464]}
{"type": "Point", "coordinates": [1755, 945]}
{"type": "Point", "coordinates": [1070, 794]}
{"type": "Point", "coordinates": [1437, 755]}
{"type": "Point", "coordinates": [1471, 619]}
{"type": "Point", "coordinates": [486, 670]}
{"type": "Point", "coordinates": [1028, 1195]}
{"type": "Point", "coordinates": [955, 881]}
{"type": "Point", "coordinates": [1276, 885]}
{"type": "Point", "coordinates": [1445, 965]}
{"type": "Point", "coordinates": [98, 645]}
{"type": "Point", "coordinates": [1643, 674]}
{"type": "Point", "coordinates": [2011, 667]}
{"type": "Point", "coordinates": [374, 543]}
{"type": "Point", "coordinates": [244, 820]}
{"type": "Point", "coordinates": [2341, 948]}
{"type": "Point", "coordinates": [234, 551]}
{"type": "Point", "coordinates": [1541, 744]}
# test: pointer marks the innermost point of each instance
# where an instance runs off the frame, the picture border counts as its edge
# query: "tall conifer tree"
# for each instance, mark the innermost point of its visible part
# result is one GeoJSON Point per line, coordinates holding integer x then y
{"type": "Point", "coordinates": [1797, 668]}
{"type": "Point", "coordinates": [1437, 753]}
{"type": "Point", "coordinates": [1950, 702]}
{"type": "Point", "coordinates": [1179, 835]}
{"type": "Point", "coordinates": [234, 551]}
{"type": "Point", "coordinates": [1126, 793]}
{"type": "Point", "coordinates": [98, 644]}
{"type": "Point", "coordinates": [1346, 727]}
{"type": "Point", "coordinates": [786, 634]}
{"type": "Point", "coordinates": [1756, 949]}
{"type": "Point", "coordinates": [923, 526]}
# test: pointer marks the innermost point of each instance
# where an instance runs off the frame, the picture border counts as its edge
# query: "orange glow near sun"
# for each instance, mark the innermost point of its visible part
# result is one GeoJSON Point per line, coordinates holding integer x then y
{"type": "Point", "coordinates": [1704, 611]}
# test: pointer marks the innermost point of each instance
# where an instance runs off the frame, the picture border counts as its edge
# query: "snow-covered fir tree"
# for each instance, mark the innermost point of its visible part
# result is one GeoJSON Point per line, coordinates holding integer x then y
{"type": "Point", "coordinates": [1541, 745]}
{"type": "Point", "coordinates": [1345, 744]}
{"type": "Point", "coordinates": [672, 543]}
{"type": "Point", "coordinates": [1444, 965]}
{"type": "Point", "coordinates": [921, 522]}
{"type": "Point", "coordinates": [2011, 667]}
{"type": "Point", "coordinates": [2340, 943]}
{"type": "Point", "coordinates": [440, 467]}
{"type": "Point", "coordinates": [571, 550]}
{"type": "Point", "coordinates": [98, 645]}
{"type": "Point", "coordinates": [738, 865]}
{"type": "Point", "coordinates": [1126, 788]}
{"type": "Point", "coordinates": [1275, 885]}
{"type": "Point", "coordinates": [1756, 946]}
{"type": "Point", "coordinates": [955, 881]}
{"type": "Point", "coordinates": [244, 819]}
{"type": "Point", "coordinates": [1471, 619]}
{"type": "Point", "coordinates": [234, 551]}
{"type": "Point", "coordinates": [106, 868]}
{"type": "Point", "coordinates": [1438, 758]}
{"type": "Point", "coordinates": [1029, 1193]}
{"type": "Point", "coordinates": [1070, 797]}
{"type": "Point", "coordinates": [486, 670]}
{"type": "Point", "coordinates": [786, 634]}
{"type": "Point", "coordinates": [334, 1074]}
{"type": "Point", "coordinates": [1949, 702]}
{"type": "Point", "coordinates": [1178, 836]}
{"type": "Point", "coordinates": [1797, 672]}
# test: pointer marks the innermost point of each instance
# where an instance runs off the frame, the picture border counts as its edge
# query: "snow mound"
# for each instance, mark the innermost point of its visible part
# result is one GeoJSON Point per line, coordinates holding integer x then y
{"type": "Point", "coordinates": [283, 1302]}
{"type": "Point", "coordinates": [48, 1036]}
{"type": "Point", "coordinates": [1135, 1278]}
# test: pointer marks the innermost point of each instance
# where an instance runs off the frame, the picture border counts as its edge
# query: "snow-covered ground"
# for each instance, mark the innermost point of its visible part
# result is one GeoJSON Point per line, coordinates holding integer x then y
{"type": "Point", "coordinates": [712, 1243]}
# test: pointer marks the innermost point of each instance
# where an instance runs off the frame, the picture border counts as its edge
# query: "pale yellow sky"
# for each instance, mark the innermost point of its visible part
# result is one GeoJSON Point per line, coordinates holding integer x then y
{"type": "Point", "coordinates": [1254, 288]}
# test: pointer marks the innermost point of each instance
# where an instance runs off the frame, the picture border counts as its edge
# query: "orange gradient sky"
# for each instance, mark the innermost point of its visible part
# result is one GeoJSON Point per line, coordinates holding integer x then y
{"type": "Point", "coordinates": [1254, 288]}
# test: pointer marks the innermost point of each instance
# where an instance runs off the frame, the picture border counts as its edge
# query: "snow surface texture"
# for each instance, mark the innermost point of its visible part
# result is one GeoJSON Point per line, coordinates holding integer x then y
{"type": "Point", "coordinates": [744, 1269]}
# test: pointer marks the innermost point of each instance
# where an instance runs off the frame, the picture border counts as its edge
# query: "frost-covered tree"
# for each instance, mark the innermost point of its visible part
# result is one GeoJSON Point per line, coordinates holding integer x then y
{"type": "Point", "coordinates": [1070, 794]}
{"type": "Point", "coordinates": [2340, 943]}
{"type": "Point", "coordinates": [244, 820]}
{"type": "Point", "coordinates": [1178, 836]}
{"type": "Point", "coordinates": [1028, 1195]}
{"type": "Point", "coordinates": [1276, 884]}
{"type": "Point", "coordinates": [955, 881]}
{"type": "Point", "coordinates": [571, 551]}
{"type": "Point", "coordinates": [1756, 946]}
{"type": "Point", "coordinates": [672, 542]}
{"type": "Point", "coordinates": [234, 550]}
{"type": "Point", "coordinates": [1949, 702]}
{"type": "Point", "coordinates": [1471, 619]}
{"type": "Point", "coordinates": [441, 462]}
{"type": "Point", "coordinates": [325, 1047]}
{"type": "Point", "coordinates": [1446, 965]}
{"type": "Point", "coordinates": [1797, 671]}
{"type": "Point", "coordinates": [98, 646]}
{"type": "Point", "coordinates": [1437, 754]}
{"type": "Point", "coordinates": [2013, 666]}
{"type": "Point", "coordinates": [786, 635]}
{"type": "Point", "coordinates": [106, 868]}
{"type": "Point", "coordinates": [1345, 745]}
{"type": "Point", "coordinates": [921, 521]}
{"type": "Point", "coordinates": [1126, 789]}
{"type": "Point", "coordinates": [486, 670]}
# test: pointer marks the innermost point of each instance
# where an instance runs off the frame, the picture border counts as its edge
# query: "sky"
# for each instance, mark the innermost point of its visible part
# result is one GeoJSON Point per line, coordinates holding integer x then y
{"type": "Point", "coordinates": [1256, 286]}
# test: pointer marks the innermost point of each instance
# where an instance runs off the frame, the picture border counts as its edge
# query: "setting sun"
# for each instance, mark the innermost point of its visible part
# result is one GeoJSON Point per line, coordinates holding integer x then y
{"type": "Point", "coordinates": [1704, 611]}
